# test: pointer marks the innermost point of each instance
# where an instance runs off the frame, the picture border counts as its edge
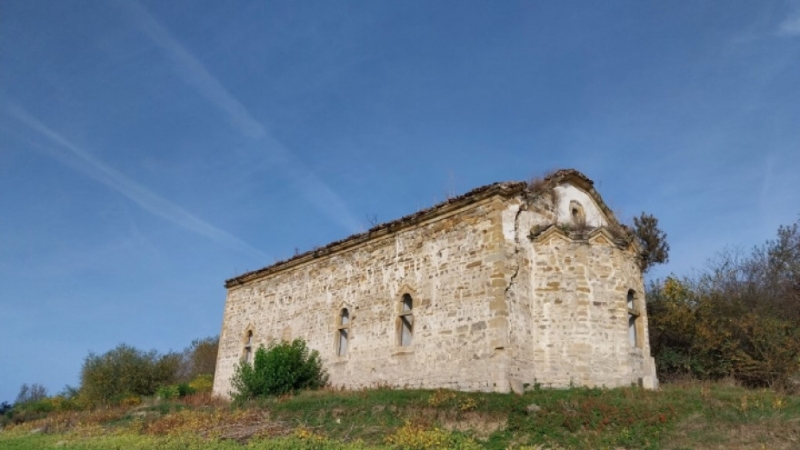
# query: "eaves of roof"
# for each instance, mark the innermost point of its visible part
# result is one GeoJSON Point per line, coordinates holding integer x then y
{"type": "Point", "coordinates": [505, 189]}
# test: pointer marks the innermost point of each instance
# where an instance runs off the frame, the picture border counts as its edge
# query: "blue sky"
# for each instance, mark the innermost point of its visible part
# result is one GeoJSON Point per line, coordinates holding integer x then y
{"type": "Point", "coordinates": [150, 150]}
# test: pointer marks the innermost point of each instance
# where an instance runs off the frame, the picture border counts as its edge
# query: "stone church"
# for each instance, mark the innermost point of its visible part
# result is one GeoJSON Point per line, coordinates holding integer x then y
{"type": "Point", "coordinates": [508, 286]}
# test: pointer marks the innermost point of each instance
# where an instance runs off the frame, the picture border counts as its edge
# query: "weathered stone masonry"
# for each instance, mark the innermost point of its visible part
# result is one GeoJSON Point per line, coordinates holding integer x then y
{"type": "Point", "coordinates": [509, 285]}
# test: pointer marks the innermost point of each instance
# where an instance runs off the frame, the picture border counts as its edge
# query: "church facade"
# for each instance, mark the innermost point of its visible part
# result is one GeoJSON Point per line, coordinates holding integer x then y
{"type": "Point", "coordinates": [509, 286]}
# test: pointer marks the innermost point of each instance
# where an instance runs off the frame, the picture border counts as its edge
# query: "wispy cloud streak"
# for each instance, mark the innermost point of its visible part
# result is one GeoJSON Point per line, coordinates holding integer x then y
{"type": "Point", "coordinates": [313, 189]}
{"type": "Point", "coordinates": [791, 25]}
{"type": "Point", "coordinates": [146, 199]}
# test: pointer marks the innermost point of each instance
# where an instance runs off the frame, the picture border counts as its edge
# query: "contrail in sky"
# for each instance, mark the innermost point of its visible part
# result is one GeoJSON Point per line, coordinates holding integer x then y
{"type": "Point", "coordinates": [146, 199]}
{"type": "Point", "coordinates": [310, 185]}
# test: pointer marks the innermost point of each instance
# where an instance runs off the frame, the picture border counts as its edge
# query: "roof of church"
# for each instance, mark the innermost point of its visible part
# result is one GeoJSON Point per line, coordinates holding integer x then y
{"type": "Point", "coordinates": [506, 188]}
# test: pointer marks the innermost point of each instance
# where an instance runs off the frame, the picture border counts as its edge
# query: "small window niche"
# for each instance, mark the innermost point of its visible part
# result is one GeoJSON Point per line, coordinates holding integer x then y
{"type": "Point", "coordinates": [247, 354]}
{"type": "Point", "coordinates": [634, 337]}
{"type": "Point", "coordinates": [343, 332]}
{"type": "Point", "coordinates": [577, 215]}
{"type": "Point", "coordinates": [405, 323]}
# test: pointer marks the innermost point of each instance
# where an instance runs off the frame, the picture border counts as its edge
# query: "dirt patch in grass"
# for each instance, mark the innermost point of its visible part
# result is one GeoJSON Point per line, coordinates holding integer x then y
{"type": "Point", "coordinates": [244, 432]}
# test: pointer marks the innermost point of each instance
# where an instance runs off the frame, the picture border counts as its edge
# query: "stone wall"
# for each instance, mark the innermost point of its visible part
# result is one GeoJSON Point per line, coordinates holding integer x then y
{"type": "Point", "coordinates": [453, 267]}
{"type": "Point", "coordinates": [568, 300]}
{"type": "Point", "coordinates": [509, 289]}
{"type": "Point", "coordinates": [581, 315]}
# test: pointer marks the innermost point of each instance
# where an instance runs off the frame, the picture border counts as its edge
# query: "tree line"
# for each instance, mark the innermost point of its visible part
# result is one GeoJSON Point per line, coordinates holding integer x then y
{"type": "Point", "coordinates": [737, 318]}
{"type": "Point", "coordinates": [123, 375]}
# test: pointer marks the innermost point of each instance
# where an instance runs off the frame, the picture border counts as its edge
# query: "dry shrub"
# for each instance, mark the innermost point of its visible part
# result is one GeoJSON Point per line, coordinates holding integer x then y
{"type": "Point", "coordinates": [202, 383]}
{"type": "Point", "coordinates": [711, 334]}
{"type": "Point", "coordinates": [467, 404]}
{"type": "Point", "coordinates": [441, 397]}
{"type": "Point", "coordinates": [183, 422]}
{"type": "Point", "coordinates": [100, 416]}
{"type": "Point", "coordinates": [540, 182]}
{"type": "Point", "coordinates": [580, 225]}
{"type": "Point", "coordinates": [53, 423]}
{"type": "Point", "coordinates": [212, 423]}
{"type": "Point", "coordinates": [304, 434]}
{"type": "Point", "coordinates": [131, 401]}
{"type": "Point", "coordinates": [619, 231]}
{"type": "Point", "coordinates": [542, 197]}
{"type": "Point", "coordinates": [203, 400]}
{"type": "Point", "coordinates": [64, 421]}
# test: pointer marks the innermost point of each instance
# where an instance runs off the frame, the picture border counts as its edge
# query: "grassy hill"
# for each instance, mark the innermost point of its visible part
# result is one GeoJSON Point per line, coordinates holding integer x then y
{"type": "Point", "coordinates": [679, 416]}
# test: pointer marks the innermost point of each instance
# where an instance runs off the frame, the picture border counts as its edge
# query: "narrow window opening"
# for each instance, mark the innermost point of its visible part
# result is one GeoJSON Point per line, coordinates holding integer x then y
{"type": "Point", "coordinates": [632, 330]}
{"type": "Point", "coordinates": [633, 320]}
{"type": "Point", "coordinates": [248, 347]}
{"type": "Point", "coordinates": [343, 332]}
{"type": "Point", "coordinates": [406, 322]}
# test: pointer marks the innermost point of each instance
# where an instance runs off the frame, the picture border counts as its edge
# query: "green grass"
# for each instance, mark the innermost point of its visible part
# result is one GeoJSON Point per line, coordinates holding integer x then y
{"type": "Point", "coordinates": [692, 415]}
{"type": "Point", "coordinates": [183, 442]}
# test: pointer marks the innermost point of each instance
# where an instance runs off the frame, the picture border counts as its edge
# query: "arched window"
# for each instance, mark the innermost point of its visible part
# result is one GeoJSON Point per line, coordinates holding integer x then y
{"type": "Point", "coordinates": [343, 332]}
{"type": "Point", "coordinates": [405, 325]}
{"type": "Point", "coordinates": [248, 347]}
{"type": "Point", "coordinates": [633, 320]}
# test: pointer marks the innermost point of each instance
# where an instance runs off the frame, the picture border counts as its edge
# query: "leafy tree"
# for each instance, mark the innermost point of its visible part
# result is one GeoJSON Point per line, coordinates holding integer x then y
{"type": "Point", "coordinates": [653, 241]}
{"type": "Point", "coordinates": [774, 270]}
{"type": "Point", "coordinates": [684, 331]}
{"type": "Point", "coordinates": [125, 372]}
{"type": "Point", "coordinates": [4, 408]}
{"type": "Point", "coordinates": [30, 394]}
{"type": "Point", "coordinates": [199, 358]}
{"type": "Point", "coordinates": [280, 369]}
{"type": "Point", "coordinates": [739, 318]}
{"type": "Point", "coordinates": [69, 392]}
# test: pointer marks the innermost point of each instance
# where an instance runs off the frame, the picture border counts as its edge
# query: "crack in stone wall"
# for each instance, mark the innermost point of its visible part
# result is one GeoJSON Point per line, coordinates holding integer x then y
{"type": "Point", "coordinates": [517, 245]}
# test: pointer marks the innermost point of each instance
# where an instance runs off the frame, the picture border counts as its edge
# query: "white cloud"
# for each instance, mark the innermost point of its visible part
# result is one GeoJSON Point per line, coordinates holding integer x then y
{"type": "Point", "coordinates": [144, 198]}
{"type": "Point", "coordinates": [790, 26]}
{"type": "Point", "coordinates": [313, 189]}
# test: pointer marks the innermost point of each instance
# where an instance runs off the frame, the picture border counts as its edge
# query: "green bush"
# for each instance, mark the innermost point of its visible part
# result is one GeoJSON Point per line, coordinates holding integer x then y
{"type": "Point", "coordinates": [168, 392]}
{"type": "Point", "coordinates": [174, 391]}
{"type": "Point", "coordinates": [46, 405]}
{"type": "Point", "coordinates": [37, 409]}
{"type": "Point", "coordinates": [282, 368]}
{"type": "Point", "coordinates": [125, 372]}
